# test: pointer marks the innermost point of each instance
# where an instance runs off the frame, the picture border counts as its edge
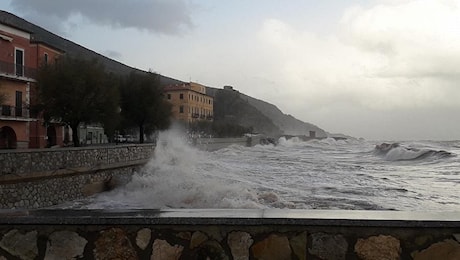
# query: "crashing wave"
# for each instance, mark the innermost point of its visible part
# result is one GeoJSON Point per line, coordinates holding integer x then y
{"type": "Point", "coordinates": [396, 152]}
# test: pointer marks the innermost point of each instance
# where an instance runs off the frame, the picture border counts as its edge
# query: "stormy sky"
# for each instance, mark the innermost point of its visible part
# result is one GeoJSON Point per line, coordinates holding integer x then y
{"type": "Point", "coordinates": [377, 69]}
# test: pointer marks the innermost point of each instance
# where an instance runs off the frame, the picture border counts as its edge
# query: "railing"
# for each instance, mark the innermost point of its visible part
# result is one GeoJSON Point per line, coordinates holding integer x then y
{"type": "Point", "coordinates": [14, 112]}
{"type": "Point", "coordinates": [8, 68]}
{"type": "Point", "coordinates": [197, 115]}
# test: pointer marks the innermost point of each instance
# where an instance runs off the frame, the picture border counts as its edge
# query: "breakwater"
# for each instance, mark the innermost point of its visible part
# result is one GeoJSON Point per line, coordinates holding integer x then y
{"type": "Point", "coordinates": [212, 144]}
{"type": "Point", "coordinates": [228, 234]}
{"type": "Point", "coordinates": [44, 177]}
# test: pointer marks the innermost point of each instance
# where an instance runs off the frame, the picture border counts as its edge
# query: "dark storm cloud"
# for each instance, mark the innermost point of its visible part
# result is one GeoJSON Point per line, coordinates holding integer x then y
{"type": "Point", "coordinates": [164, 16]}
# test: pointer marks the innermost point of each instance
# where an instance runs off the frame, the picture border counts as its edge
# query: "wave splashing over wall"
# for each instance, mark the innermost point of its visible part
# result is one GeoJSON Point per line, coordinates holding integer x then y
{"type": "Point", "coordinates": [180, 176]}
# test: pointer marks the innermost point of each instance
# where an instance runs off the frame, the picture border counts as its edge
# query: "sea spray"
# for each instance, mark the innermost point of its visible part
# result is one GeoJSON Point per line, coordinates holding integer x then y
{"type": "Point", "coordinates": [181, 176]}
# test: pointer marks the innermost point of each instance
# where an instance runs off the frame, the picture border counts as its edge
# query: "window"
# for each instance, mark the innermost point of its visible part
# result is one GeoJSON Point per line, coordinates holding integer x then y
{"type": "Point", "coordinates": [181, 109]}
{"type": "Point", "coordinates": [45, 58]}
{"type": "Point", "coordinates": [19, 61]}
{"type": "Point", "coordinates": [18, 103]}
{"type": "Point", "coordinates": [181, 96]}
{"type": "Point", "coordinates": [169, 96]}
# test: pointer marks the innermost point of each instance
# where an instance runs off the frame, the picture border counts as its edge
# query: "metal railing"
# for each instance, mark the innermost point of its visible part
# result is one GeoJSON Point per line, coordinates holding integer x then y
{"type": "Point", "coordinates": [14, 112]}
{"type": "Point", "coordinates": [8, 68]}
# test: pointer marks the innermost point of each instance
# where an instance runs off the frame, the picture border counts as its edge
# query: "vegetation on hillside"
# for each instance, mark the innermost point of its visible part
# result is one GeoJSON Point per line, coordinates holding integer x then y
{"type": "Point", "coordinates": [235, 113]}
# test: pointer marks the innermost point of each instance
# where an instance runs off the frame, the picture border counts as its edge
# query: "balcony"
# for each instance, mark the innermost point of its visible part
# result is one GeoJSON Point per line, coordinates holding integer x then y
{"type": "Point", "coordinates": [11, 112]}
{"type": "Point", "coordinates": [17, 70]}
{"type": "Point", "coordinates": [195, 115]}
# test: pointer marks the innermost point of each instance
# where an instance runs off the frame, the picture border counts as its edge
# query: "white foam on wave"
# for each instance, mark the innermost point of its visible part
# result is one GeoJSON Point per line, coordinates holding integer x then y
{"type": "Point", "coordinates": [291, 142]}
{"type": "Point", "coordinates": [180, 176]}
{"type": "Point", "coordinates": [401, 153]}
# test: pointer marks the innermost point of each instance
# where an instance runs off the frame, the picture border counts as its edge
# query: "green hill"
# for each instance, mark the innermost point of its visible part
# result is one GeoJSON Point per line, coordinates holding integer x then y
{"type": "Point", "coordinates": [234, 107]}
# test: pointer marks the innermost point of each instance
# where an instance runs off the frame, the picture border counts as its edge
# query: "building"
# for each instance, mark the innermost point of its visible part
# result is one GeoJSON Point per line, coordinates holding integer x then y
{"type": "Point", "coordinates": [190, 103]}
{"type": "Point", "coordinates": [91, 134]}
{"type": "Point", "coordinates": [33, 46]}
{"type": "Point", "coordinates": [20, 57]}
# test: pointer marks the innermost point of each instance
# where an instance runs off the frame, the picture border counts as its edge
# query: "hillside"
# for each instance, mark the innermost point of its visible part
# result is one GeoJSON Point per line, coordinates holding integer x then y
{"type": "Point", "coordinates": [232, 106]}
{"type": "Point", "coordinates": [287, 123]}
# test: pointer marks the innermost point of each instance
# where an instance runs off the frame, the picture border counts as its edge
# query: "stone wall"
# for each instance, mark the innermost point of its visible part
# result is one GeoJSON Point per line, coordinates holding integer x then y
{"type": "Point", "coordinates": [13, 162]}
{"type": "Point", "coordinates": [183, 235]}
{"type": "Point", "coordinates": [45, 177]}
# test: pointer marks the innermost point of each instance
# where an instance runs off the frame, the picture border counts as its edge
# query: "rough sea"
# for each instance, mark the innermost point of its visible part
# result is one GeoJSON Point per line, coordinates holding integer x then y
{"type": "Point", "coordinates": [353, 174]}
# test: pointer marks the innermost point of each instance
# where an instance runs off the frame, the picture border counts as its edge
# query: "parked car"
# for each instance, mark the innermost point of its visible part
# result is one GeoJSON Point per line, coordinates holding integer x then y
{"type": "Point", "coordinates": [120, 139]}
{"type": "Point", "coordinates": [130, 138]}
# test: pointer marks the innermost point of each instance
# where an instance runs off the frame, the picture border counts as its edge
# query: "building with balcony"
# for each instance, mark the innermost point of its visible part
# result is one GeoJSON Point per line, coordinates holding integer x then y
{"type": "Point", "coordinates": [23, 47]}
{"type": "Point", "coordinates": [20, 58]}
{"type": "Point", "coordinates": [190, 103]}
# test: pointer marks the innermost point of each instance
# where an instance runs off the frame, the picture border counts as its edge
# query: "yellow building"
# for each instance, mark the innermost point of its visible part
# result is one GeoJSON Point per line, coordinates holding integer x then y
{"type": "Point", "coordinates": [189, 102]}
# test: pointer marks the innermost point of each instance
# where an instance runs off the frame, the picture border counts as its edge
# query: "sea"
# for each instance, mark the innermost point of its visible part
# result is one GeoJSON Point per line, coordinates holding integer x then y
{"type": "Point", "coordinates": [351, 174]}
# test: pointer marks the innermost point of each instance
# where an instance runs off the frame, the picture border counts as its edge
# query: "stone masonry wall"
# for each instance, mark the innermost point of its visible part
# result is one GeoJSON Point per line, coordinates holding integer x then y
{"type": "Point", "coordinates": [52, 191]}
{"type": "Point", "coordinates": [42, 160]}
{"type": "Point", "coordinates": [225, 242]}
{"type": "Point", "coordinates": [45, 177]}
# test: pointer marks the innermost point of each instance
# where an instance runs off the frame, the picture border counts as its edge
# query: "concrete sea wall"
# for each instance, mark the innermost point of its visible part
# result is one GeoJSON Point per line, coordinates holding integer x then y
{"type": "Point", "coordinates": [45, 177]}
{"type": "Point", "coordinates": [228, 234]}
{"type": "Point", "coordinates": [212, 144]}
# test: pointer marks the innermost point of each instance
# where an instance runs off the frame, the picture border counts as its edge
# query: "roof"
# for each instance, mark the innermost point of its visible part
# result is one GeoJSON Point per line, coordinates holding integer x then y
{"type": "Point", "coordinates": [47, 45]}
{"type": "Point", "coordinates": [182, 87]}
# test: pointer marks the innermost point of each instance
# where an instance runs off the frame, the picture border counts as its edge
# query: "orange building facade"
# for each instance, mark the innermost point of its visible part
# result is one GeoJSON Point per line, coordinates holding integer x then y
{"type": "Point", "coordinates": [190, 103]}
{"type": "Point", "coordinates": [20, 58]}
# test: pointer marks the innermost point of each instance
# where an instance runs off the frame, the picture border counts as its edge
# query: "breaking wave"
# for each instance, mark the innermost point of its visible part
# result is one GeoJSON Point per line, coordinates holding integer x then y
{"type": "Point", "coordinates": [397, 152]}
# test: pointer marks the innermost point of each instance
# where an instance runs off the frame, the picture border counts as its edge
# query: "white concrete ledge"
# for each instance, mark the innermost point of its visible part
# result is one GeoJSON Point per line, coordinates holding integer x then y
{"type": "Point", "coordinates": [239, 217]}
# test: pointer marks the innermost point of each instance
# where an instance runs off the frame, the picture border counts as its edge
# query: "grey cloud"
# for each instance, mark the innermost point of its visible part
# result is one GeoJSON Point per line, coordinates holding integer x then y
{"type": "Point", "coordinates": [163, 16]}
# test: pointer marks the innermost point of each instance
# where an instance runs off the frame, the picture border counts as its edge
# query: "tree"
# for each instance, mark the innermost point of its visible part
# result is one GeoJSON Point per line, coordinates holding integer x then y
{"type": "Point", "coordinates": [75, 91]}
{"type": "Point", "coordinates": [143, 104]}
{"type": "Point", "coordinates": [111, 120]}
